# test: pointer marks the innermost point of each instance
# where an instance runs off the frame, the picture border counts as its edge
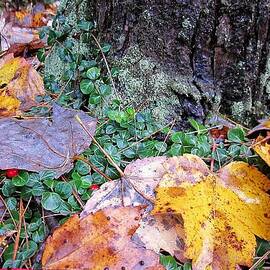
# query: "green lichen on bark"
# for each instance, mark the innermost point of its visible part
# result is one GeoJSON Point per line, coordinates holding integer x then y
{"type": "Point", "coordinates": [145, 82]}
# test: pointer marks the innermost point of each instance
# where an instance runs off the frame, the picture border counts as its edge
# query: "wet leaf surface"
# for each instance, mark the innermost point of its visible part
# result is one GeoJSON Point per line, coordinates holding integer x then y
{"type": "Point", "coordinates": [40, 144]}
{"type": "Point", "coordinates": [137, 188]}
{"type": "Point", "coordinates": [99, 241]}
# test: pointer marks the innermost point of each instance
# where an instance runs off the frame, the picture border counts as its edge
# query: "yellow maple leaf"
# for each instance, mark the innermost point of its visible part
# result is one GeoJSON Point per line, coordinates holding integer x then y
{"type": "Point", "coordinates": [19, 85]}
{"type": "Point", "coordinates": [222, 212]}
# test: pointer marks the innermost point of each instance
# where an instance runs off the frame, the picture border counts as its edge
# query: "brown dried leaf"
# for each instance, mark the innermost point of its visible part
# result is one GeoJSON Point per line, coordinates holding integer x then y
{"type": "Point", "coordinates": [19, 29]}
{"type": "Point", "coordinates": [15, 35]}
{"type": "Point", "coordinates": [99, 241]}
{"type": "Point", "coordinates": [20, 83]}
{"type": "Point", "coordinates": [162, 233]}
{"type": "Point", "coordinates": [137, 188]}
{"type": "Point", "coordinates": [40, 144]}
{"type": "Point", "coordinates": [219, 133]}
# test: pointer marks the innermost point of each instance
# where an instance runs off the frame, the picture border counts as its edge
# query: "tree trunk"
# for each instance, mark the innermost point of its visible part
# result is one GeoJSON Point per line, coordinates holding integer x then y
{"type": "Point", "coordinates": [189, 58]}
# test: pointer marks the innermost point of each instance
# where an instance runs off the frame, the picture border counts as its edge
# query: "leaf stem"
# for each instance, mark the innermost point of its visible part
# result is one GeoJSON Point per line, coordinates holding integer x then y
{"type": "Point", "coordinates": [99, 146]}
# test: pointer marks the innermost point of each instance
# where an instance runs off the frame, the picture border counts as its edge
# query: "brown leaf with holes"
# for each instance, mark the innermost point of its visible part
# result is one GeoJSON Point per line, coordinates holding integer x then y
{"type": "Point", "coordinates": [99, 241]}
{"type": "Point", "coordinates": [42, 144]}
{"type": "Point", "coordinates": [20, 84]}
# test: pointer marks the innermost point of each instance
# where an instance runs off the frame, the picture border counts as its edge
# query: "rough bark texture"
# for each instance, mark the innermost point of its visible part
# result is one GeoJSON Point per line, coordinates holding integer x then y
{"type": "Point", "coordinates": [186, 58]}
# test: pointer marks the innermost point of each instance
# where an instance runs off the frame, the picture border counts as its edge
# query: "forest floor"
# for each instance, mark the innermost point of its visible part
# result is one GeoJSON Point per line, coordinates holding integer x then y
{"type": "Point", "coordinates": [116, 183]}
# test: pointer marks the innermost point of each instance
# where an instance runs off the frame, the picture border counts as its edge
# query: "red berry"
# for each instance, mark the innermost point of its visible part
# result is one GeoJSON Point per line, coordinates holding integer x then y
{"type": "Point", "coordinates": [11, 173]}
{"type": "Point", "coordinates": [94, 187]}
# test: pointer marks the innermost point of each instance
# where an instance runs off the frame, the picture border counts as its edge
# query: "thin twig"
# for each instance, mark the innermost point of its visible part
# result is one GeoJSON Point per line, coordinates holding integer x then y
{"type": "Point", "coordinates": [253, 267]}
{"type": "Point", "coordinates": [93, 167]}
{"type": "Point", "coordinates": [16, 244]}
{"type": "Point", "coordinates": [26, 238]}
{"type": "Point", "coordinates": [75, 194]}
{"type": "Point", "coordinates": [232, 121]}
{"type": "Point", "coordinates": [99, 146]}
{"type": "Point", "coordinates": [261, 141]}
{"type": "Point", "coordinates": [63, 89]}
{"type": "Point", "coordinates": [167, 136]}
{"type": "Point", "coordinates": [145, 138]}
{"type": "Point", "coordinates": [107, 66]}
{"type": "Point", "coordinates": [2, 199]}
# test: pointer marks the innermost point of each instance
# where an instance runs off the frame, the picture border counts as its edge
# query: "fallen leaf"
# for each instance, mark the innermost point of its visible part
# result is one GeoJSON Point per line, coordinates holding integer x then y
{"type": "Point", "coordinates": [35, 16]}
{"type": "Point", "coordinates": [20, 83]}
{"type": "Point", "coordinates": [262, 147]}
{"type": "Point", "coordinates": [14, 35]}
{"type": "Point", "coordinates": [162, 232]}
{"type": "Point", "coordinates": [137, 188]}
{"type": "Point", "coordinates": [8, 105]}
{"type": "Point", "coordinates": [261, 134]}
{"type": "Point", "coordinates": [99, 241]}
{"type": "Point", "coordinates": [20, 28]}
{"type": "Point", "coordinates": [20, 49]}
{"type": "Point", "coordinates": [222, 212]}
{"type": "Point", "coordinates": [260, 129]}
{"type": "Point", "coordinates": [40, 144]}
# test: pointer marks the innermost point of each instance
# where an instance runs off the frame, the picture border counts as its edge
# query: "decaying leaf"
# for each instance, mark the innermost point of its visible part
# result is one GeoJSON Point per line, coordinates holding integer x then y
{"type": "Point", "coordinates": [40, 144]}
{"type": "Point", "coordinates": [99, 241]}
{"type": "Point", "coordinates": [262, 147]}
{"type": "Point", "coordinates": [162, 232]}
{"type": "Point", "coordinates": [14, 35]}
{"type": "Point", "coordinates": [222, 212]}
{"type": "Point", "coordinates": [21, 27]}
{"type": "Point", "coordinates": [20, 83]}
{"type": "Point", "coordinates": [137, 188]}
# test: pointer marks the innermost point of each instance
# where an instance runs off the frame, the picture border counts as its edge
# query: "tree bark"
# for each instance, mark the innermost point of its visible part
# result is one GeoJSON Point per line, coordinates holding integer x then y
{"type": "Point", "coordinates": [189, 58]}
